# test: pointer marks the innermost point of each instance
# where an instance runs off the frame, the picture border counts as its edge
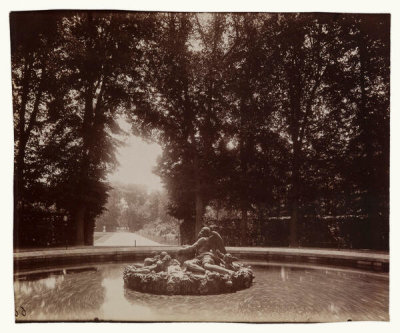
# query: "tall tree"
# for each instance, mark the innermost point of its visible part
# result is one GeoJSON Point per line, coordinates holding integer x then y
{"type": "Point", "coordinates": [302, 61]}
{"type": "Point", "coordinates": [368, 37]}
{"type": "Point", "coordinates": [103, 56]}
{"type": "Point", "coordinates": [34, 40]}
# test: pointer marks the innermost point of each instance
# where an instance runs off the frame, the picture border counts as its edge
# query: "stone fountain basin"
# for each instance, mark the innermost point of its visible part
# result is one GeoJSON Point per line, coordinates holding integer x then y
{"type": "Point", "coordinates": [187, 283]}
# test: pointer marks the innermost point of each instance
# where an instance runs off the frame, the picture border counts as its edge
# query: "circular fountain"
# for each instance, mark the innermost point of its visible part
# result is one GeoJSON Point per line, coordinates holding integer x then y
{"type": "Point", "coordinates": [199, 269]}
{"type": "Point", "coordinates": [281, 291]}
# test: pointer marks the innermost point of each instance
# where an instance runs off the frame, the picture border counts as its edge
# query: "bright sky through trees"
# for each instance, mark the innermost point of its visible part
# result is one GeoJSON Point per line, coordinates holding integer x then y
{"type": "Point", "coordinates": [136, 161]}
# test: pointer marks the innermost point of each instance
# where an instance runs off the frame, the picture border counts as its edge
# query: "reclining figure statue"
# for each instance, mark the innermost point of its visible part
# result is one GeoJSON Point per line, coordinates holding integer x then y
{"type": "Point", "coordinates": [209, 253]}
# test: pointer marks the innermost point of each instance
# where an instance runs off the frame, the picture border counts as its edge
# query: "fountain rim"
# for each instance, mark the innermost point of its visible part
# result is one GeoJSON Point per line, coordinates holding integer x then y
{"type": "Point", "coordinates": [360, 259]}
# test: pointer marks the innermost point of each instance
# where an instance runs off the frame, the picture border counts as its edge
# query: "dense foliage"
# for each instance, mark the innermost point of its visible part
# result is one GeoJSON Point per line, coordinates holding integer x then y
{"type": "Point", "coordinates": [260, 116]}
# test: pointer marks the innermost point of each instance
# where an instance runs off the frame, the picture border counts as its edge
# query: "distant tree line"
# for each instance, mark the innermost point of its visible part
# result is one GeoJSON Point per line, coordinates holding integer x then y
{"type": "Point", "coordinates": [134, 208]}
{"type": "Point", "coordinates": [259, 115]}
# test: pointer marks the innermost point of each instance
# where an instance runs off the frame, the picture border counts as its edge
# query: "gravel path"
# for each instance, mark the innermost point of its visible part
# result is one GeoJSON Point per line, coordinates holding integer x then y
{"type": "Point", "coordinates": [123, 239]}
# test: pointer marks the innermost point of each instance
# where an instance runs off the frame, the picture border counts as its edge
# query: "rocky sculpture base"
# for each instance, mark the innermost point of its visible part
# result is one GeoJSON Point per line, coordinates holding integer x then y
{"type": "Point", "coordinates": [182, 282]}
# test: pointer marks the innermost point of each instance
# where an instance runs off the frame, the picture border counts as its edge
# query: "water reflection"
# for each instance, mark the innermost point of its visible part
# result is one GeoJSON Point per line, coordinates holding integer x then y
{"type": "Point", "coordinates": [116, 307]}
{"type": "Point", "coordinates": [60, 295]}
{"type": "Point", "coordinates": [279, 293]}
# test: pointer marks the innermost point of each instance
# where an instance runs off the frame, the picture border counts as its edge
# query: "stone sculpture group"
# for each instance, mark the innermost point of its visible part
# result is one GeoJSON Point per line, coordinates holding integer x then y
{"type": "Point", "coordinates": [202, 268]}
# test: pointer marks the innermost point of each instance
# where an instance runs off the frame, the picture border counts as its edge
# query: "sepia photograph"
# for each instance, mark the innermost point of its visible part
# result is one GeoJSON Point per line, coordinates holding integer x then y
{"type": "Point", "coordinates": [200, 166]}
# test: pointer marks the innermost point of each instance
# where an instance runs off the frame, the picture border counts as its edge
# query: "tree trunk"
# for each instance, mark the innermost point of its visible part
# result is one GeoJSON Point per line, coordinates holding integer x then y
{"type": "Point", "coordinates": [89, 229]}
{"type": "Point", "coordinates": [199, 212]}
{"type": "Point", "coordinates": [80, 224]}
{"type": "Point", "coordinates": [187, 231]}
{"type": "Point", "coordinates": [198, 196]}
{"type": "Point", "coordinates": [370, 199]}
{"type": "Point", "coordinates": [20, 158]}
{"type": "Point", "coordinates": [19, 169]}
{"type": "Point", "coordinates": [24, 135]}
{"type": "Point", "coordinates": [243, 224]}
{"type": "Point", "coordinates": [83, 174]}
{"type": "Point", "coordinates": [295, 178]}
{"type": "Point", "coordinates": [243, 151]}
{"type": "Point", "coordinates": [294, 197]}
{"type": "Point", "coordinates": [294, 220]}
{"type": "Point", "coordinates": [18, 196]}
